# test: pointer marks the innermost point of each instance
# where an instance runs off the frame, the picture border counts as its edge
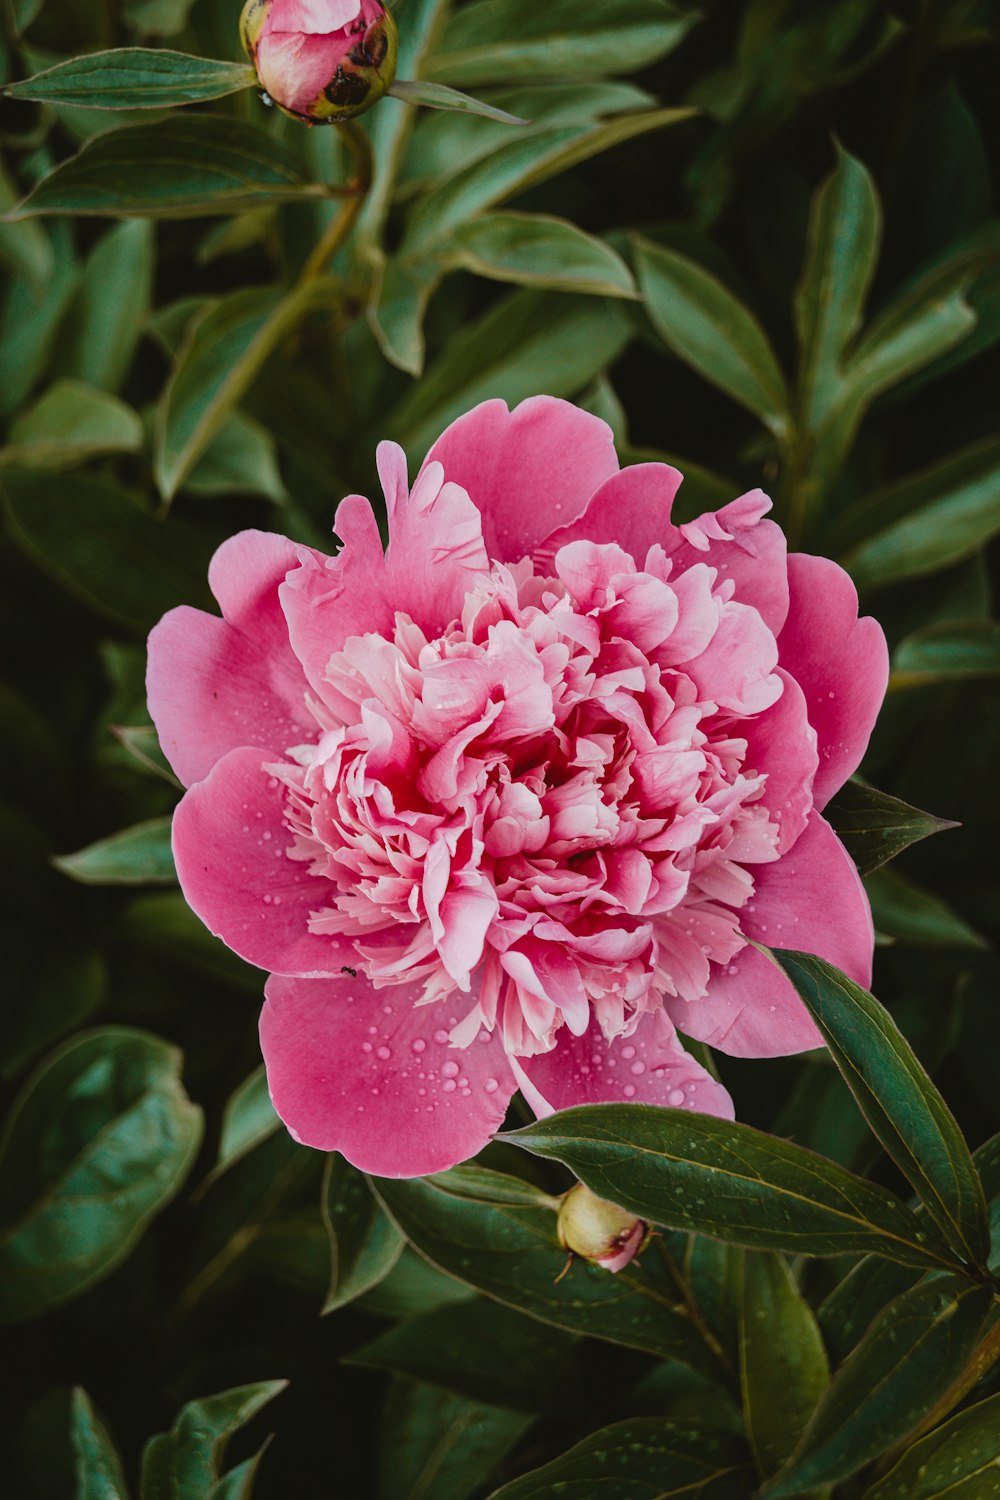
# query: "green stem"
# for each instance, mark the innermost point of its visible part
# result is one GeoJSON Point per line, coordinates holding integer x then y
{"type": "Point", "coordinates": [343, 221]}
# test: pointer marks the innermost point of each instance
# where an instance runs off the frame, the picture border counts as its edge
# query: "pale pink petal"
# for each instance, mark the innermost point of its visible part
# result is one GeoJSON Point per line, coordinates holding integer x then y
{"type": "Point", "coordinates": [311, 15]}
{"type": "Point", "coordinates": [526, 469]}
{"type": "Point", "coordinates": [295, 68]}
{"type": "Point", "coordinates": [782, 743]}
{"type": "Point", "coordinates": [745, 549]}
{"type": "Point", "coordinates": [230, 843]}
{"type": "Point", "coordinates": [631, 508]}
{"type": "Point", "coordinates": [370, 1073]}
{"type": "Point", "coordinates": [840, 662]}
{"type": "Point", "coordinates": [215, 684]}
{"type": "Point", "coordinates": [811, 900]}
{"type": "Point", "coordinates": [648, 1067]}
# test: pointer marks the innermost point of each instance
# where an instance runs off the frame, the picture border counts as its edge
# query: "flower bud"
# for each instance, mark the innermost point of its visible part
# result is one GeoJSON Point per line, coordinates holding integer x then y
{"type": "Point", "coordinates": [321, 60]}
{"type": "Point", "coordinates": [599, 1231]}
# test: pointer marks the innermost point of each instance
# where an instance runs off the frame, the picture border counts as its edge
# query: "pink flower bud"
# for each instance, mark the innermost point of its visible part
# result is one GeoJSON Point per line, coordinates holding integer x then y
{"type": "Point", "coordinates": [321, 60]}
{"type": "Point", "coordinates": [599, 1231]}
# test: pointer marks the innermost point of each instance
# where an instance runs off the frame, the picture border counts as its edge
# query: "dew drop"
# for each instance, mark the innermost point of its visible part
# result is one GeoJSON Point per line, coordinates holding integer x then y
{"type": "Point", "coordinates": [440, 1036]}
{"type": "Point", "coordinates": [628, 1052]}
{"type": "Point", "coordinates": [637, 1067]}
{"type": "Point", "coordinates": [629, 1090]}
{"type": "Point", "coordinates": [418, 1044]}
{"type": "Point", "coordinates": [449, 1086]}
{"type": "Point", "coordinates": [383, 1052]}
{"type": "Point", "coordinates": [366, 1046]}
{"type": "Point", "coordinates": [450, 1069]}
{"type": "Point", "coordinates": [491, 1085]}
{"type": "Point", "coordinates": [676, 1097]}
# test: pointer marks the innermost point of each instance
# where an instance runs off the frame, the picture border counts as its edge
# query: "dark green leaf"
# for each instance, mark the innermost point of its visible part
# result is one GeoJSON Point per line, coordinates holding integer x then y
{"type": "Point", "coordinates": [537, 250]}
{"type": "Point", "coordinates": [99, 1474]}
{"type": "Point", "coordinates": [911, 1355]}
{"type": "Point", "coordinates": [143, 745]}
{"type": "Point", "coordinates": [187, 1460]}
{"type": "Point", "coordinates": [136, 856]}
{"type": "Point", "coordinates": [958, 1461]}
{"type": "Point", "coordinates": [364, 1242]}
{"type": "Point", "coordinates": [715, 1177]}
{"type": "Point", "coordinates": [856, 1301]}
{"type": "Point", "coordinates": [875, 827]}
{"type": "Point", "coordinates": [783, 1364]}
{"type": "Point", "coordinates": [713, 331]}
{"type": "Point", "coordinates": [183, 168]}
{"type": "Point", "coordinates": [440, 96]}
{"type": "Point", "coordinates": [908, 914]}
{"type": "Point", "coordinates": [438, 1446]}
{"type": "Point", "coordinates": [947, 653]}
{"type": "Point", "coordinates": [248, 1118]}
{"type": "Point", "coordinates": [643, 1459]}
{"type": "Point", "coordinates": [481, 1349]}
{"type": "Point", "coordinates": [897, 1098]}
{"type": "Point", "coordinates": [103, 331]}
{"type": "Point", "coordinates": [97, 1142]}
{"type": "Point", "coordinates": [512, 1254]}
{"type": "Point", "coordinates": [134, 78]}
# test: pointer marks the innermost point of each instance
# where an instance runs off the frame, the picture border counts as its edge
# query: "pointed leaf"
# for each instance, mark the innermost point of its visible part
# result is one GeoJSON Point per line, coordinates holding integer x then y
{"type": "Point", "coordinates": [435, 1444]}
{"type": "Point", "coordinates": [364, 1242]}
{"type": "Point", "coordinates": [646, 1458]}
{"type": "Point", "coordinates": [897, 1098]}
{"type": "Point", "coordinates": [783, 1364]}
{"type": "Point", "coordinates": [69, 425]}
{"type": "Point", "coordinates": [440, 96]}
{"type": "Point", "coordinates": [136, 856]}
{"type": "Point", "coordinates": [708, 327]}
{"type": "Point", "coordinates": [103, 331]}
{"type": "Point", "coordinates": [134, 78]}
{"type": "Point", "coordinates": [188, 1459]}
{"type": "Point", "coordinates": [874, 827]}
{"type": "Point", "coordinates": [512, 1255]}
{"type": "Point", "coordinates": [692, 1171]}
{"type": "Point", "coordinates": [959, 1461]}
{"type": "Point", "coordinates": [905, 912]}
{"type": "Point", "coordinates": [947, 653]}
{"type": "Point", "coordinates": [98, 1468]}
{"type": "Point", "coordinates": [248, 1118]}
{"type": "Point", "coordinates": [910, 1356]}
{"type": "Point", "coordinates": [537, 250]}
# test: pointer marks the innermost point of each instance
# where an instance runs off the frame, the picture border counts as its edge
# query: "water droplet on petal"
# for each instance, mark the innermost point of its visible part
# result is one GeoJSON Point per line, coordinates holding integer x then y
{"type": "Point", "coordinates": [676, 1097]}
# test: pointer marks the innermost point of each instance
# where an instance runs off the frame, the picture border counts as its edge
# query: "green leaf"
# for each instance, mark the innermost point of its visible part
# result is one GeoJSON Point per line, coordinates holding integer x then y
{"type": "Point", "coordinates": [497, 41]}
{"type": "Point", "coordinates": [856, 1301]}
{"type": "Point", "coordinates": [364, 1242]}
{"type": "Point", "coordinates": [958, 1461]}
{"type": "Point", "coordinates": [248, 1118]}
{"type": "Point", "coordinates": [923, 523]}
{"type": "Point", "coordinates": [70, 424]}
{"type": "Point", "coordinates": [897, 1098]}
{"type": "Point", "coordinates": [241, 459]}
{"type": "Point", "coordinates": [436, 1444]}
{"type": "Point", "coordinates": [32, 315]}
{"type": "Point", "coordinates": [528, 342]}
{"type": "Point", "coordinates": [712, 331]}
{"type": "Point", "coordinates": [440, 96]}
{"type": "Point", "coordinates": [187, 1460]}
{"type": "Point", "coordinates": [188, 167]}
{"type": "Point", "coordinates": [783, 1364]}
{"type": "Point", "coordinates": [483, 1185]}
{"type": "Point", "coordinates": [947, 653]}
{"type": "Point", "coordinates": [908, 914]}
{"type": "Point", "coordinates": [98, 1468]}
{"type": "Point", "coordinates": [142, 744]}
{"type": "Point", "coordinates": [875, 827]}
{"type": "Point", "coordinates": [691, 1171]}
{"type": "Point", "coordinates": [841, 255]}
{"type": "Point", "coordinates": [104, 548]}
{"type": "Point", "coordinates": [911, 1355]}
{"type": "Point", "coordinates": [136, 856]}
{"type": "Point", "coordinates": [134, 78]}
{"type": "Point", "coordinates": [103, 331]}
{"type": "Point", "coordinates": [483, 1350]}
{"type": "Point", "coordinates": [512, 1254]}
{"type": "Point", "coordinates": [646, 1458]}
{"type": "Point", "coordinates": [97, 1142]}
{"type": "Point", "coordinates": [537, 250]}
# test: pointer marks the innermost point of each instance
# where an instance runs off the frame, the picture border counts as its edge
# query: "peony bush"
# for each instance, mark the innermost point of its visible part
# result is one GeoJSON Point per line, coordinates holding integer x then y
{"type": "Point", "coordinates": [508, 805]}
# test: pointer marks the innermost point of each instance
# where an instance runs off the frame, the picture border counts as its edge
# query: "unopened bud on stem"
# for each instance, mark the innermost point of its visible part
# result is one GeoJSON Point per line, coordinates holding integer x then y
{"type": "Point", "coordinates": [321, 60]}
{"type": "Point", "coordinates": [599, 1231]}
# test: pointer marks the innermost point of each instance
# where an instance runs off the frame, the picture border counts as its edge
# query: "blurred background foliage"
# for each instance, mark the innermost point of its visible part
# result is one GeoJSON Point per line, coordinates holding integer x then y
{"type": "Point", "coordinates": [759, 239]}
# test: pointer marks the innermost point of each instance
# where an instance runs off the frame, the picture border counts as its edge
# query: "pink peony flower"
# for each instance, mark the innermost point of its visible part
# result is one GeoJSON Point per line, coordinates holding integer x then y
{"type": "Point", "coordinates": [500, 806]}
{"type": "Point", "coordinates": [321, 60]}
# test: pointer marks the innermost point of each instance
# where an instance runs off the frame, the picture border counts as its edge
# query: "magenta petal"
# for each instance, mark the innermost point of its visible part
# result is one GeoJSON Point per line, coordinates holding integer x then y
{"type": "Point", "coordinates": [648, 1067]}
{"type": "Point", "coordinates": [369, 1073]}
{"type": "Point", "coordinates": [811, 900]}
{"type": "Point", "coordinates": [215, 684]}
{"type": "Point", "coordinates": [631, 508]}
{"type": "Point", "coordinates": [782, 742]}
{"type": "Point", "coordinates": [840, 662]}
{"type": "Point", "coordinates": [229, 841]}
{"type": "Point", "coordinates": [522, 467]}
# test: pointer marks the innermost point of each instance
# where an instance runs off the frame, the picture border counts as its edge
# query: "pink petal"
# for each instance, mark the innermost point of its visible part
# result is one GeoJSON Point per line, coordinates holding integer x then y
{"type": "Point", "coordinates": [215, 684]}
{"type": "Point", "coordinates": [648, 1067]}
{"type": "Point", "coordinates": [311, 15]}
{"type": "Point", "coordinates": [631, 508]}
{"type": "Point", "coordinates": [812, 900]}
{"type": "Point", "coordinates": [782, 742]}
{"type": "Point", "coordinates": [840, 662]}
{"type": "Point", "coordinates": [369, 1073]}
{"type": "Point", "coordinates": [295, 68]}
{"type": "Point", "coordinates": [526, 467]}
{"type": "Point", "coordinates": [435, 555]}
{"type": "Point", "coordinates": [744, 548]}
{"type": "Point", "coordinates": [229, 841]}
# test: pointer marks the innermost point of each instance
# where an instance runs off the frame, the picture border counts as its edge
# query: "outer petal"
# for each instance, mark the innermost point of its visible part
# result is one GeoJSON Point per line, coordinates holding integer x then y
{"type": "Point", "coordinates": [215, 684]}
{"type": "Point", "coordinates": [435, 554]}
{"type": "Point", "coordinates": [526, 468]}
{"type": "Point", "coordinates": [782, 742]}
{"type": "Point", "coordinates": [229, 841]}
{"type": "Point", "coordinates": [840, 662]}
{"type": "Point", "coordinates": [295, 68]}
{"type": "Point", "coordinates": [311, 16]}
{"type": "Point", "coordinates": [631, 508]}
{"type": "Point", "coordinates": [648, 1067]}
{"type": "Point", "coordinates": [369, 1073]}
{"type": "Point", "coordinates": [743, 547]}
{"type": "Point", "coordinates": [812, 900]}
